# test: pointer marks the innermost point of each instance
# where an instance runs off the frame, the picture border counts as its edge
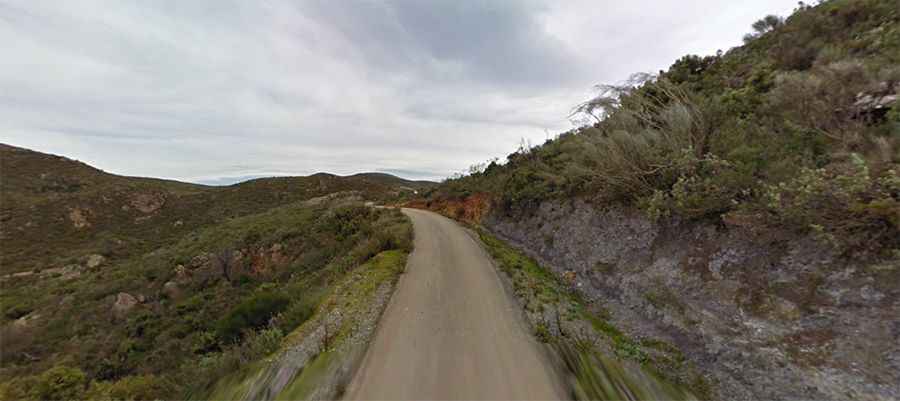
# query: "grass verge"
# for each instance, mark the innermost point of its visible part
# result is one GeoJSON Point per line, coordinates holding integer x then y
{"type": "Point", "coordinates": [605, 362]}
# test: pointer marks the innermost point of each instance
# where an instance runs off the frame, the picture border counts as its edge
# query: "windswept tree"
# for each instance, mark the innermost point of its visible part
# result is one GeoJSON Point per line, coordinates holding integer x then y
{"type": "Point", "coordinates": [761, 27]}
{"type": "Point", "coordinates": [607, 99]}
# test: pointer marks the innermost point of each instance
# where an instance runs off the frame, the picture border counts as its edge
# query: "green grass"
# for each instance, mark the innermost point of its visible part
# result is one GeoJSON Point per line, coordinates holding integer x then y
{"type": "Point", "coordinates": [659, 365]}
{"type": "Point", "coordinates": [234, 386]}
{"type": "Point", "coordinates": [528, 277]}
{"type": "Point", "coordinates": [307, 381]}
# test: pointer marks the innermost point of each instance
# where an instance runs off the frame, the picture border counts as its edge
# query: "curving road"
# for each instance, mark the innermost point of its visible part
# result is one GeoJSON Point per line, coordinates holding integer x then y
{"type": "Point", "coordinates": [451, 331]}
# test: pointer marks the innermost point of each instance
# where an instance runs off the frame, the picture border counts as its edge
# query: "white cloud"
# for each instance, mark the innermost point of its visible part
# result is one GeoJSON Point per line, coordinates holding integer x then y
{"type": "Point", "coordinates": [207, 89]}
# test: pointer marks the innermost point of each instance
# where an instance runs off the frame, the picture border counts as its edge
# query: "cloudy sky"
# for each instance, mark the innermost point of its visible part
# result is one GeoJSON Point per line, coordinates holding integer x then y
{"type": "Point", "coordinates": [215, 91]}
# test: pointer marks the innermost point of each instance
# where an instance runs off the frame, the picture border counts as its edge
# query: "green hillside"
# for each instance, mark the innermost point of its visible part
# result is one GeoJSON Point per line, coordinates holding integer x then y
{"type": "Point", "coordinates": [123, 287]}
{"type": "Point", "coordinates": [797, 129]}
{"type": "Point", "coordinates": [55, 210]}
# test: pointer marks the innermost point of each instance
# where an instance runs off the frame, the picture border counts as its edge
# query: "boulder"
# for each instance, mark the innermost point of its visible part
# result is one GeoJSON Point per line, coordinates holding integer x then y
{"type": "Point", "coordinates": [26, 321]}
{"type": "Point", "coordinates": [124, 304]}
{"type": "Point", "coordinates": [70, 272]}
{"type": "Point", "coordinates": [94, 260]}
{"type": "Point", "coordinates": [148, 202]}
{"type": "Point", "coordinates": [172, 291]}
{"type": "Point", "coordinates": [181, 275]}
{"type": "Point", "coordinates": [66, 272]}
{"type": "Point", "coordinates": [201, 261]}
{"type": "Point", "coordinates": [79, 217]}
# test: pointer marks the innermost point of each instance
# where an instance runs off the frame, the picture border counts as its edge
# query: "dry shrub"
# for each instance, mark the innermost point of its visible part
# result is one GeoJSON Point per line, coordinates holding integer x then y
{"type": "Point", "coordinates": [823, 100]}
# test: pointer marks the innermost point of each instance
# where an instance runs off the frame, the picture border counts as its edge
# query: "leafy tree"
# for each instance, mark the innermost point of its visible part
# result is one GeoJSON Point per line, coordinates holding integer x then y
{"type": "Point", "coordinates": [765, 25]}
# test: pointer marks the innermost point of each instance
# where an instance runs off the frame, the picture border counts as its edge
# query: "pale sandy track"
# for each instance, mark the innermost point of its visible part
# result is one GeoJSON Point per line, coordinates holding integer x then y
{"type": "Point", "coordinates": [451, 331]}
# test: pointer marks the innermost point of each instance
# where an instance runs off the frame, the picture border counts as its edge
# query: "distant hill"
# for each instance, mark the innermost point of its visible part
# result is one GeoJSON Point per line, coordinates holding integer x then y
{"type": "Point", "coordinates": [53, 207]}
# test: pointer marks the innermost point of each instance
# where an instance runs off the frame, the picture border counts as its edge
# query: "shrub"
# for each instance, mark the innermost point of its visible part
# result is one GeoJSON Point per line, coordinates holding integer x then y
{"type": "Point", "coordinates": [822, 100]}
{"type": "Point", "coordinates": [345, 221]}
{"type": "Point", "coordinates": [260, 343]}
{"type": "Point", "coordinates": [843, 203]}
{"type": "Point", "coordinates": [199, 375]}
{"type": "Point", "coordinates": [707, 186]}
{"type": "Point", "coordinates": [130, 388]}
{"type": "Point", "coordinates": [61, 383]}
{"type": "Point", "coordinates": [16, 310]}
{"type": "Point", "coordinates": [18, 388]}
{"type": "Point", "coordinates": [296, 314]}
{"type": "Point", "coordinates": [252, 313]}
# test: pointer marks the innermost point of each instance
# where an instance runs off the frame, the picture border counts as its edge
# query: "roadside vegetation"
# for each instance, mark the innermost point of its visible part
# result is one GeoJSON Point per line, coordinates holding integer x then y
{"type": "Point", "coordinates": [798, 129]}
{"type": "Point", "coordinates": [156, 297]}
{"type": "Point", "coordinates": [793, 135]}
{"type": "Point", "coordinates": [604, 362]}
{"type": "Point", "coordinates": [339, 320]}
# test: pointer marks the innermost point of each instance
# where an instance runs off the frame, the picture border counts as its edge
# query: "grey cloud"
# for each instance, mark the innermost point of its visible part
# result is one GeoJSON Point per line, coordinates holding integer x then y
{"type": "Point", "coordinates": [493, 43]}
{"type": "Point", "coordinates": [215, 91]}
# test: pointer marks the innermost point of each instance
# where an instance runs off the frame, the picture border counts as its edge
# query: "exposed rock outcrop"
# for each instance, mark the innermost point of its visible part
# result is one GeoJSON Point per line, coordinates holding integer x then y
{"type": "Point", "coordinates": [123, 305]}
{"type": "Point", "coordinates": [148, 202]}
{"type": "Point", "coordinates": [766, 318]}
{"type": "Point", "coordinates": [172, 291]}
{"type": "Point", "coordinates": [94, 261]}
{"type": "Point", "coordinates": [79, 217]}
{"type": "Point", "coordinates": [878, 102]}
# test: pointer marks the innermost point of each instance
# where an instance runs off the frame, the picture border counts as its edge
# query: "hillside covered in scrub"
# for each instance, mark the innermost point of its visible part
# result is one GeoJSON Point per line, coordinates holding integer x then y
{"type": "Point", "coordinates": [740, 211]}
{"type": "Point", "coordinates": [118, 287]}
{"type": "Point", "coordinates": [799, 128]}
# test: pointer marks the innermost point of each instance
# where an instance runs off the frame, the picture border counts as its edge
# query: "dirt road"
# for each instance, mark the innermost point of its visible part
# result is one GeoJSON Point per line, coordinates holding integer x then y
{"type": "Point", "coordinates": [451, 331]}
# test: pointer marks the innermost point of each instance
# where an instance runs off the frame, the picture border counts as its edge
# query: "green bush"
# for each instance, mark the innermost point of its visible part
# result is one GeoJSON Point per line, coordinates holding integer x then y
{"type": "Point", "coordinates": [707, 187]}
{"type": "Point", "coordinates": [843, 203]}
{"type": "Point", "coordinates": [18, 388]}
{"type": "Point", "coordinates": [60, 383]}
{"type": "Point", "coordinates": [252, 313]}
{"type": "Point", "coordinates": [130, 388]}
{"type": "Point", "coordinates": [296, 314]}
{"type": "Point", "coordinates": [17, 310]}
{"type": "Point", "coordinates": [198, 375]}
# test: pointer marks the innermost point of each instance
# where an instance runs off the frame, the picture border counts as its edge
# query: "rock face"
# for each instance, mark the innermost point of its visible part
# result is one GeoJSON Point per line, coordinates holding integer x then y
{"type": "Point", "coordinates": [764, 318]}
{"type": "Point", "coordinates": [148, 202]}
{"type": "Point", "coordinates": [882, 98]}
{"type": "Point", "coordinates": [171, 290]}
{"type": "Point", "coordinates": [79, 217]}
{"type": "Point", "coordinates": [124, 304]}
